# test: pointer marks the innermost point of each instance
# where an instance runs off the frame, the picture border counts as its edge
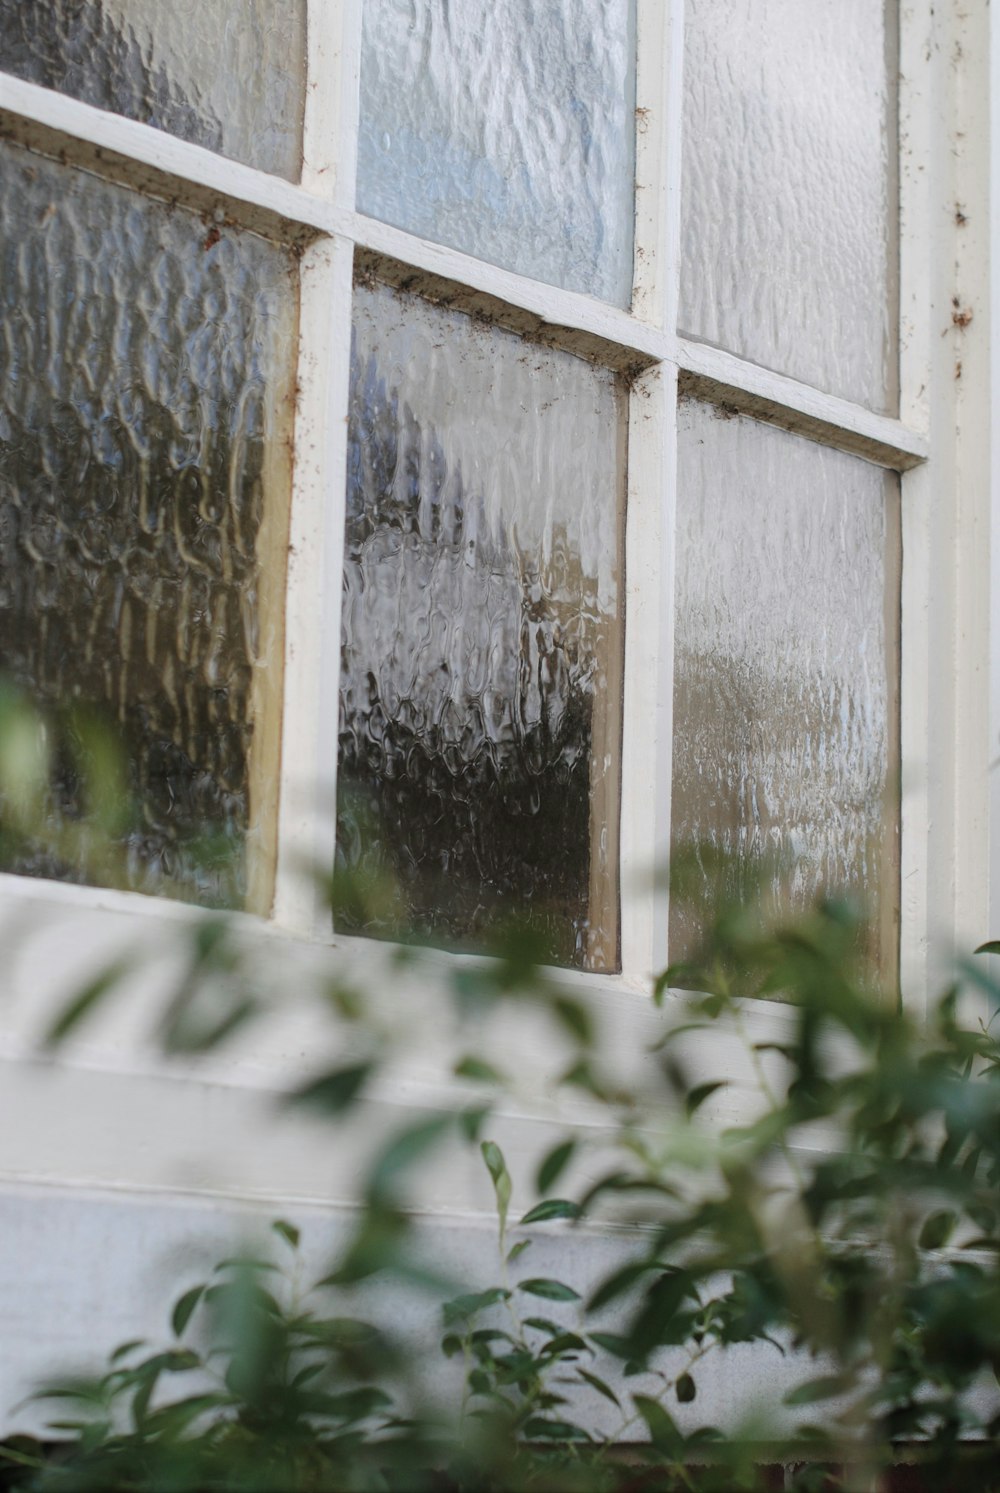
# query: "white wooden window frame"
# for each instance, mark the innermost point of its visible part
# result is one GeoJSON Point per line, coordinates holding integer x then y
{"type": "Point", "coordinates": [318, 215]}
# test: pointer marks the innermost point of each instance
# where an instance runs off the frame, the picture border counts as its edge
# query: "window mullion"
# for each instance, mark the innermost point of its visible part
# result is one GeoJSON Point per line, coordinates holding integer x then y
{"type": "Point", "coordinates": [648, 693]}
{"type": "Point", "coordinates": [659, 100]}
{"type": "Point", "coordinates": [330, 131]}
{"type": "Point", "coordinates": [315, 563]}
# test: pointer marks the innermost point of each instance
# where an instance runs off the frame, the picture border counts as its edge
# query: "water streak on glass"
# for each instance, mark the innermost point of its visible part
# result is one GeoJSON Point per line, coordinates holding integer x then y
{"type": "Point", "coordinates": [506, 131]}
{"type": "Point", "coordinates": [145, 363]}
{"type": "Point", "coordinates": [786, 671]}
{"type": "Point", "coordinates": [480, 676]}
{"type": "Point", "coordinates": [230, 77]}
{"type": "Point", "coordinates": [790, 203]}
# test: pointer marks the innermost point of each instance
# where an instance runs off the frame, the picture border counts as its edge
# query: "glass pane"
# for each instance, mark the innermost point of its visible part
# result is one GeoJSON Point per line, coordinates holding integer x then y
{"type": "Point", "coordinates": [789, 196]}
{"type": "Point", "coordinates": [786, 670]}
{"type": "Point", "coordinates": [506, 131]}
{"type": "Point", "coordinates": [481, 664]}
{"type": "Point", "coordinates": [229, 77]}
{"type": "Point", "coordinates": [145, 369]}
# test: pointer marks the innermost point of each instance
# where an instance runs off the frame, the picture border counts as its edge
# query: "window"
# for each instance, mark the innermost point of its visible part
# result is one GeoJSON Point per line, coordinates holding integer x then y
{"type": "Point", "coordinates": [584, 543]}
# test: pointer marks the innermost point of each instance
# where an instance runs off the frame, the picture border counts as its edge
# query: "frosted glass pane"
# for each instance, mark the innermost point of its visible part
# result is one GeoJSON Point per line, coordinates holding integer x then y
{"type": "Point", "coordinates": [227, 76]}
{"type": "Point", "coordinates": [789, 196]}
{"type": "Point", "coordinates": [506, 131]}
{"type": "Point", "coordinates": [786, 668]}
{"type": "Point", "coordinates": [145, 366]}
{"type": "Point", "coordinates": [480, 674]}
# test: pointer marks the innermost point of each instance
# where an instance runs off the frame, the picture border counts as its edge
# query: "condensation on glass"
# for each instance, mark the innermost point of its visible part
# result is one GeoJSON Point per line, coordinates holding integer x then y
{"type": "Point", "coordinates": [506, 131]}
{"type": "Point", "coordinates": [790, 209]}
{"type": "Point", "coordinates": [145, 383]}
{"type": "Point", "coordinates": [481, 664]}
{"type": "Point", "coordinates": [230, 77]}
{"type": "Point", "coordinates": [786, 670]}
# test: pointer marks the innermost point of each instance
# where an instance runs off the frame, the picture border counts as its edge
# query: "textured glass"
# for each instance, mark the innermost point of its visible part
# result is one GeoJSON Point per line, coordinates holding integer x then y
{"type": "Point", "coordinates": [506, 131]}
{"type": "Point", "coordinates": [789, 196]}
{"type": "Point", "coordinates": [480, 675]}
{"type": "Point", "coordinates": [145, 364]}
{"type": "Point", "coordinates": [227, 76]}
{"type": "Point", "coordinates": [786, 670]}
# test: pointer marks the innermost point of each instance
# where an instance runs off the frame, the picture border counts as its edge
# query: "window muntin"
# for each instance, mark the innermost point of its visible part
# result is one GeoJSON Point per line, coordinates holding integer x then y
{"type": "Point", "coordinates": [146, 367]}
{"type": "Point", "coordinates": [506, 131]}
{"type": "Point", "coordinates": [480, 674]}
{"type": "Point", "coordinates": [786, 668]}
{"type": "Point", "coordinates": [228, 77]}
{"type": "Point", "coordinates": [790, 236]}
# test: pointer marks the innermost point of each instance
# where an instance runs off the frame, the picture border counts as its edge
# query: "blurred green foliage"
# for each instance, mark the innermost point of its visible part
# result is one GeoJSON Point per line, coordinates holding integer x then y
{"type": "Point", "coordinates": [848, 1220]}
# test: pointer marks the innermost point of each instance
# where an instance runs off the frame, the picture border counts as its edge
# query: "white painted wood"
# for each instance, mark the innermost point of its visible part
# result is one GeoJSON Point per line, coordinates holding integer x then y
{"type": "Point", "coordinates": [330, 135]}
{"type": "Point", "coordinates": [551, 305]}
{"type": "Point", "coordinates": [648, 706]}
{"type": "Point", "coordinates": [947, 748]}
{"type": "Point", "coordinates": [324, 99]}
{"type": "Point", "coordinates": [711, 373]}
{"type": "Point", "coordinates": [159, 164]}
{"type": "Point", "coordinates": [654, 130]}
{"type": "Point", "coordinates": [137, 1254]}
{"type": "Point", "coordinates": [919, 125]}
{"type": "Point", "coordinates": [923, 122]}
{"type": "Point", "coordinates": [673, 162]}
{"type": "Point", "coordinates": [968, 349]}
{"type": "Point", "coordinates": [994, 458]}
{"type": "Point", "coordinates": [312, 652]}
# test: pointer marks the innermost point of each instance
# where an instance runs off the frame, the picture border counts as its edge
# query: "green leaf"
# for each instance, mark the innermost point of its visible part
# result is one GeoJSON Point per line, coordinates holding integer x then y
{"type": "Point", "coordinates": [518, 1250]}
{"type": "Point", "coordinates": [244, 1263]}
{"type": "Point", "coordinates": [662, 1428]}
{"type": "Point", "coordinates": [565, 1342]}
{"type": "Point", "coordinates": [475, 1069]}
{"type": "Point", "coordinates": [575, 1017]}
{"type": "Point", "coordinates": [703, 1091]}
{"type": "Point", "coordinates": [335, 1091]}
{"type": "Point", "coordinates": [407, 1147]}
{"type": "Point", "coordinates": [614, 1343]}
{"type": "Point", "coordinates": [813, 1390]}
{"type": "Point", "coordinates": [497, 1168]}
{"type": "Point", "coordinates": [551, 1290]}
{"type": "Point", "coordinates": [181, 1314]}
{"type": "Point", "coordinates": [602, 1388]}
{"type": "Point", "coordinates": [82, 1004]}
{"type": "Point", "coordinates": [937, 1229]}
{"type": "Point", "coordinates": [462, 1308]}
{"type": "Point", "coordinates": [287, 1231]}
{"type": "Point", "coordinates": [554, 1164]}
{"type": "Point", "coordinates": [582, 1076]}
{"type": "Point", "coordinates": [553, 1208]}
{"type": "Point", "coordinates": [685, 1389]}
{"type": "Point", "coordinates": [538, 1429]}
{"type": "Point", "coordinates": [990, 947]}
{"type": "Point", "coordinates": [471, 1122]}
{"type": "Point", "coordinates": [622, 1280]}
{"type": "Point", "coordinates": [124, 1349]}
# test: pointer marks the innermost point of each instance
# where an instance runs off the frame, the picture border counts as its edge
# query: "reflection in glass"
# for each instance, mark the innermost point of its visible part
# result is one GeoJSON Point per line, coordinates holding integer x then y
{"type": "Point", "coordinates": [480, 675]}
{"type": "Point", "coordinates": [145, 365]}
{"type": "Point", "coordinates": [790, 205]}
{"type": "Point", "coordinates": [785, 671]}
{"type": "Point", "coordinates": [506, 131]}
{"type": "Point", "coordinates": [229, 77]}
